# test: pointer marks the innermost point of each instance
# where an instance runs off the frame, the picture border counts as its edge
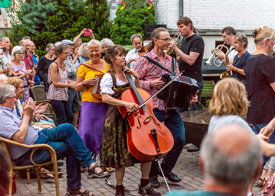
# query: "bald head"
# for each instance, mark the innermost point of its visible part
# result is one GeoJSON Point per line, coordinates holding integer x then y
{"type": "Point", "coordinates": [231, 155]}
{"type": "Point", "coordinates": [233, 140]}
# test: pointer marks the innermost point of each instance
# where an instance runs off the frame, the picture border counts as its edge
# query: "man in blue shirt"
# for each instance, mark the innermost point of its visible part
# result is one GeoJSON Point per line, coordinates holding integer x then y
{"type": "Point", "coordinates": [64, 139]}
{"type": "Point", "coordinates": [230, 160]}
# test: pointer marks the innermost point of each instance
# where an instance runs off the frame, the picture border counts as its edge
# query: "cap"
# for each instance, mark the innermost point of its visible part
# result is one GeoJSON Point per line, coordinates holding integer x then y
{"type": "Point", "coordinates": [66, 42]}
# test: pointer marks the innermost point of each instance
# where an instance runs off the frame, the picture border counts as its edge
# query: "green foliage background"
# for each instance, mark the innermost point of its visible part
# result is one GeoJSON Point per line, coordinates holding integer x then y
{"type": "Point", "coordinates": [130, 20]}
{"type": "Point", "coordinates": [49, 21]}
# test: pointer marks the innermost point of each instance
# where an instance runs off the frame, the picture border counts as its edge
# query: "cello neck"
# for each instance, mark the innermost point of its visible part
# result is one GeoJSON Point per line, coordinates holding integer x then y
{"type": "Point", "coordinates": [134, 88]}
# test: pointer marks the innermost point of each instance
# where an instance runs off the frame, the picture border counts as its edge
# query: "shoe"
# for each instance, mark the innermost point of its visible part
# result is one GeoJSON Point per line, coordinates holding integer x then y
{"type": "Point", "coordinates": [120, 190]}
{"type": "Point", "coordinates": [153, 181]}
{"type": "Point", "coordinates": [79, 192]}
{"type": "Point", "coordinates": [148, 190]}
{"type": "Point", "coordinates": [171, 177]}
{"type": "Point", "coordinates": [192, 148]}
{"type": "Point", "coordinates": [102, 174]}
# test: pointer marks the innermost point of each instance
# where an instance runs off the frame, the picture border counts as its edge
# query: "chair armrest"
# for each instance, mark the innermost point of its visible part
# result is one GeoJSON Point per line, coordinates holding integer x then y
{"type": "Point", "coordinates": [35, 146]}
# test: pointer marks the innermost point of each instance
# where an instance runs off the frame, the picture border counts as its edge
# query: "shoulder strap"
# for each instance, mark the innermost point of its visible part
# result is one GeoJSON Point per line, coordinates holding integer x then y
{"type": "Point", "coordinates": [113, 77]}
{"type": "Point", "coordinates": [174, 64]}
{"type": "Point", "coordinates": [158, 64]}
{"type": "Point", "coordinates": [92, 67]}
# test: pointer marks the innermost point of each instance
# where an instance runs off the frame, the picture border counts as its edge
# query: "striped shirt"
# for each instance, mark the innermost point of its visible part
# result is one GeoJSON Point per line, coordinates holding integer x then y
{"type": "Point", "coordinates": [148, 71]}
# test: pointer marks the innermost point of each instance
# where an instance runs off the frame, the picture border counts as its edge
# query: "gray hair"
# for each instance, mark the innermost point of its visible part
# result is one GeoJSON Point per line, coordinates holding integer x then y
{"type": "Point", "coordinates": [107, 42]}
{"type": "Point", "coordinates": [234, 171]}
{"type": "Point", "coordinates": [4, 38]}
{"type": "Point", "coordinates": [6, 90]}
{"type": "Point", "coordinates": [94, 42]}
{"type": "Point", "coordinates": [49, 46]}
{"type": "Point", "coordinates": [83, 50]}
{"type": "Point", "coordinates": [15, 50]}
{"type": "Point", "coordinates": [134, 36]}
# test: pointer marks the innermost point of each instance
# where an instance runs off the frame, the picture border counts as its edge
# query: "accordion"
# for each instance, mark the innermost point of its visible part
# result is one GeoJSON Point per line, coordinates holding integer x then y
{"type": "Point", "coordinates": [179, 92]}
{"type": "Point", "coordinates": [96, 88]}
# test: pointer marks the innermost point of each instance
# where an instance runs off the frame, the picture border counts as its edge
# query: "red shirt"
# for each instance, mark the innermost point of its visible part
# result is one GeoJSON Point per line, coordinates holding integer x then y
{"type": "Point", "coordinates": [28, 61]}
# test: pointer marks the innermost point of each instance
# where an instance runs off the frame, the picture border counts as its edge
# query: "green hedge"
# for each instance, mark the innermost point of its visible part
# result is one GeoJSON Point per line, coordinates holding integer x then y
{"type": "Point", "coordinates": [49, 21]}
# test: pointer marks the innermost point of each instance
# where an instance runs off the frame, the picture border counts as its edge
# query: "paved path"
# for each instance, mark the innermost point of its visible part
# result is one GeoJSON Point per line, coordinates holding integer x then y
{"type": "Point", "coordinates": [187, 168]}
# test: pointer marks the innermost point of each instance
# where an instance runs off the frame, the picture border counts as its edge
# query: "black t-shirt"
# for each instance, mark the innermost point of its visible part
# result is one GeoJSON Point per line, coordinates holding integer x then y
{"type": "Point", "coordinates": [260, 73]}
{"type": "Point", "coordinates": [240, 63]}
{"type": "Point", "coordinates": [194, 43]}
{"type": "Point", "coordinates": [43, 66]}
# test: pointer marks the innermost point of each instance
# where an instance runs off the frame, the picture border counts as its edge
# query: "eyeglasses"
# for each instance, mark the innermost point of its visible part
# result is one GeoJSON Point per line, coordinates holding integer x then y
{"type": "Point", "coordinates": [20, 53]}
{"type": "Point", "coordinates": [166, 39]}
{"type": "Point", "coordinates": [66, 53]}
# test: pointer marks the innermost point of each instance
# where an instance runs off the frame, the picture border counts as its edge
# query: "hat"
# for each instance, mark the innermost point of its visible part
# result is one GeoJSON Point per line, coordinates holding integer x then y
{"type": "Point", "coordinates": [66, 42]}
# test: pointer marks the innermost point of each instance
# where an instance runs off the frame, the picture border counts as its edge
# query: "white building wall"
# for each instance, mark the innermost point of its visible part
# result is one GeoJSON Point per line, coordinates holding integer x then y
{"type": "Point", "coordinates": [216, 14]}
{"type": "Point", "coordinates": [167, 12]}
{"type": "Point", "coordinates": [241, 14]}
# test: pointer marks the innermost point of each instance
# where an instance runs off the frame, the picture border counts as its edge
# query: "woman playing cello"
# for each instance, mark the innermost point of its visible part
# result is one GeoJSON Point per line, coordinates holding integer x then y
{"type": "Point", "coordinates": [114, 151]}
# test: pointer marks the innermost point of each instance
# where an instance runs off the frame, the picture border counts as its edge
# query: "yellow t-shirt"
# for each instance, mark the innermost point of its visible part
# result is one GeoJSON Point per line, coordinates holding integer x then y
{"type": "Point", "coordinates": [86, 73]}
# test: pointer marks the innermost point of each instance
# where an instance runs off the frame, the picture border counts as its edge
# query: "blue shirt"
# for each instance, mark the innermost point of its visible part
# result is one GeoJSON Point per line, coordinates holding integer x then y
{"type": "Point", "coordinates": [240, 64]}
{"type": "Point", "coordinates": [9, 125]}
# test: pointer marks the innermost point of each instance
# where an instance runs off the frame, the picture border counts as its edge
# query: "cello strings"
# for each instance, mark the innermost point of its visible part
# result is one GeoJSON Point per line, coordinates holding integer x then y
{"type": "Point", "coordinates": [163, 176]}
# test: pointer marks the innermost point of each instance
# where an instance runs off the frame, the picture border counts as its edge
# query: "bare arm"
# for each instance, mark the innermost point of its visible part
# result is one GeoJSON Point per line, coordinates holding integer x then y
{"type": "Point", "coordinates": [106, 98]}
{"type": "Point", "coordinates": [189, 59]}
{"type": "Point", "coordinates": [54, 77]}
{"type": "Point", "coordinates": [79, 35]}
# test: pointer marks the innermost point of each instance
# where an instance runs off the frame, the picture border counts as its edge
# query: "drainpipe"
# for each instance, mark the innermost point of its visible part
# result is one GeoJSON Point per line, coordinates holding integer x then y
{"type": "Point", "coordinates": [181, 8]}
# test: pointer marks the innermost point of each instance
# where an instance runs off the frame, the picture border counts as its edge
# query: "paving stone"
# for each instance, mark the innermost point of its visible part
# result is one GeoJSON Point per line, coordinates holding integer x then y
{"type": "Point", "coordinates": [187, 168]}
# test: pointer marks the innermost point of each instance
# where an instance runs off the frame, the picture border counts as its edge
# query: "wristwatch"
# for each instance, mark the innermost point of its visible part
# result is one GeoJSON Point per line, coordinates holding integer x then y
{"type": "Point", "coordinates": [83, 83]}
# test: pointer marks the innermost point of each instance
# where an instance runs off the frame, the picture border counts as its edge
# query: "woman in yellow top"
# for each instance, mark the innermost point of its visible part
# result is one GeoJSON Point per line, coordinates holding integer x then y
{"type": "Point", "coordinates": [93, 111]}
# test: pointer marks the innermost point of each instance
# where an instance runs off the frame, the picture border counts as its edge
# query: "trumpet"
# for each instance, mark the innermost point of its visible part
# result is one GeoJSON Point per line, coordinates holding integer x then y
{"type": "Point", "coordinates": [175, 39]}
{"type": "Point", "coordinates": [214, 57]}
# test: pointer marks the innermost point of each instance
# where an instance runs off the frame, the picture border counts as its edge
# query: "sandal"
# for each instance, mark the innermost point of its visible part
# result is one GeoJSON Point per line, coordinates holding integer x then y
{"type": "Point", "coordinates": [102, 174]}
{"type": "Point", "coordinates": [79, 192]}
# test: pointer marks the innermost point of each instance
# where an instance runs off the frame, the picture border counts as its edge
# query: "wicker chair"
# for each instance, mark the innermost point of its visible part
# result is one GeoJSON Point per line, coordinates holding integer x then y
{"type": "Point", "coordinates": [40, 96]}
{"type": "Point", "coordinates": [13, 167]}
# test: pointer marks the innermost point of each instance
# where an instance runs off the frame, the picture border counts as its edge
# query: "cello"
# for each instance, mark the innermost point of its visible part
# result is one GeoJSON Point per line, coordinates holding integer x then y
{"type": "Point", "coordinates": [147, 138]}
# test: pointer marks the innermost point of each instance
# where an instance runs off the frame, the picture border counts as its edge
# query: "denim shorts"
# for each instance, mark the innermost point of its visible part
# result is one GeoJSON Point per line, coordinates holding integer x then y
{"type": "Point", "coordinates": [73, 98]}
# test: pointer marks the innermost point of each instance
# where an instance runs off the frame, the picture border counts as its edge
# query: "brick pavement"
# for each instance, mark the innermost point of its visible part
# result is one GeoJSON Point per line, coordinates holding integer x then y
{"type": "Point", "coordinates": [187, 168]}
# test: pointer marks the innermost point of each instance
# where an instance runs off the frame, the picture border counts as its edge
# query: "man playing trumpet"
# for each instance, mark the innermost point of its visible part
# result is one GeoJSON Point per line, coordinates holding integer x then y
{"type": "Point", "coordinates": [228, 34]}
{"type": "Point", "coordinates": [191, 53]}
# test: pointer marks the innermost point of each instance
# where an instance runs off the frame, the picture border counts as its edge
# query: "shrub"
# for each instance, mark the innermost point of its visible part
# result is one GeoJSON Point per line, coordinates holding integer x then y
{"type": "Point", "coordinates": [130, 20]}
{"type": "Point", "coordinates": [48, 21]}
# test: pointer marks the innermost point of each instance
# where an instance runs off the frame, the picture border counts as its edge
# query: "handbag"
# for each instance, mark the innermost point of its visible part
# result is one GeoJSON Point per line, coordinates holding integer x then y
{"type": "Point", "coordinates": [96, 88]}
{"type": "Point", "coordinates": [269, 188]}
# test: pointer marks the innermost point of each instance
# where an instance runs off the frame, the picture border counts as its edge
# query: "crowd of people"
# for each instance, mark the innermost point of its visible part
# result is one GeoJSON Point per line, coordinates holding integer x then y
{"type": "Point", "coordinates": [85, 81]}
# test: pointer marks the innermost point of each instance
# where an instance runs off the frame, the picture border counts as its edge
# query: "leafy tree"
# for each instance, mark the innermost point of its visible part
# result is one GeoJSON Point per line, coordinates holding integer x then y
{"type": "Point", "coordinates": [130, 20]}
{"type": "Point", "coordinates": [48, 21]}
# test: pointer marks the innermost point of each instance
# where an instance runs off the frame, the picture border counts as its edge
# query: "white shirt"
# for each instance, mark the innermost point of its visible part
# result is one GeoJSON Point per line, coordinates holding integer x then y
{"type": "Point", "coordinates": [232, 54]}
{"type": "Point", "coordinates": [106, 84]}
{"type": "Point", "coordinates": [6, 57]}
{"type": "Point", "coordinates": [131, 55]}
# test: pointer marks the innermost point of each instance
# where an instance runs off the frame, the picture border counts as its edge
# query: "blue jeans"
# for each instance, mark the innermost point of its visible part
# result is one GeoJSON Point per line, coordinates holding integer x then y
{"type": "Point", "coordinates": [256, 129]}
{"type": "Point", "coordinates": [66, 142]}
{"type": "Point", "coordinates": [63, 111]}
{"type": "Point", "coordinates": [172, 119]}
